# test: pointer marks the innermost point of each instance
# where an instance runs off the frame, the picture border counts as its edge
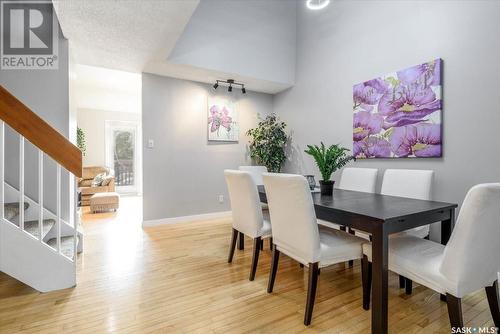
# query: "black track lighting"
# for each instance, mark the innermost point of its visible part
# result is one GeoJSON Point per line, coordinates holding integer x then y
{"type": "Point", "coordinates": [230, 83]}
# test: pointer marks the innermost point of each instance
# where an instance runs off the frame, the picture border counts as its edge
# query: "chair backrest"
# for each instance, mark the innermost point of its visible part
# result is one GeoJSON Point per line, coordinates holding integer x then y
{"type": "Point", "coordinates": [245, 203]}
{"type": "Point", "coordinates": [410, 183]}
{"type": "Point", "coordinates": [256, 172]}
{"type": "Point", "coordinates": [295, 228]}
{"type": "Point", "coordinates": [359, 179]}
{"type": "Point", "coordinates": [472, 257]}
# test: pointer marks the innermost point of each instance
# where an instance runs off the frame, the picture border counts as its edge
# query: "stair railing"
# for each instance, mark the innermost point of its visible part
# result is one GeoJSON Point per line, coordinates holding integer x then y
{"type": "Point", "coordinates": [49, 142]}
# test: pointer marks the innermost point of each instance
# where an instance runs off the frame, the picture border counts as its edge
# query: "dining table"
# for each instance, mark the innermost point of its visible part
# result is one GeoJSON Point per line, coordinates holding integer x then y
{"type": "Point", "coordinates": [380, 216]}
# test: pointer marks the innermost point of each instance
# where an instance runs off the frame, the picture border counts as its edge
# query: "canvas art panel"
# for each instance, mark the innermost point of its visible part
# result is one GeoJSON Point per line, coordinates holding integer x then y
{"type": "Point", "coordinates": [398, 115]}
{"type": "Point", "coordinates": [223, 122]}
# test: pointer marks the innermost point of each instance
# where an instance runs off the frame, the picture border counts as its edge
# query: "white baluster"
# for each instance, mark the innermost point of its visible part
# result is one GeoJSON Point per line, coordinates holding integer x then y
{"type": "Point", "coordinates": [72, 180]}
{"type": "Point", "coordinates": [40, 194]}
{"type": "Point", "coordinates": [21, 182]}
{"type": "Point", "coordinates": [58, 209]}
{"type": "Point", "coordinates": [2, 165]}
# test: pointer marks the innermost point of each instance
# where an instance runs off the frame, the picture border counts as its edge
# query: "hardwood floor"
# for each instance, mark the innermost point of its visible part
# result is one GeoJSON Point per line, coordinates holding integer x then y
{"type": "Point", "coordinates": [176, 279]}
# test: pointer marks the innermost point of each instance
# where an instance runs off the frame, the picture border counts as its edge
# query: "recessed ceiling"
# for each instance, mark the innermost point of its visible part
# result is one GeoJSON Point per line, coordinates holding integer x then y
{"type": "Point", "coordinates": [138, 36]}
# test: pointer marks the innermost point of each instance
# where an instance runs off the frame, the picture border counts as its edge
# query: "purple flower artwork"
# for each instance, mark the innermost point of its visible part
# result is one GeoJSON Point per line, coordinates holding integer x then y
{"type": "Point", "coordinates": [399, 114]}
{"type": "Point", "coordinates": [222, 121]}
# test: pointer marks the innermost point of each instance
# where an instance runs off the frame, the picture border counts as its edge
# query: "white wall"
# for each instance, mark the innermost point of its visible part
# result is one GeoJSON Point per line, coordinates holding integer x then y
{"type": "Point", "coordinates": [251, 38]}
{"type": "Point", "coordinates": [183, 173]}
{"type": "Point", "coordinates": [353, 41]}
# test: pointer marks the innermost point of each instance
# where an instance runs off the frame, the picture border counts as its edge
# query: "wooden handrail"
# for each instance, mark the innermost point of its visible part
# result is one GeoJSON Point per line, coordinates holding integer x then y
{"type": "Point", "coordinates": [19, 117]}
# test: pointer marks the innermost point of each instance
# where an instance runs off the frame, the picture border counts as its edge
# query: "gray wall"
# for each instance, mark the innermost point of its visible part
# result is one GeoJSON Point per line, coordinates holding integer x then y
{"type": "Point", "coordinates": [183, 173]}
{"type": "Point", "coordinates": [46, 93]}
{"type": "Point", "coordinates": [353, 41]}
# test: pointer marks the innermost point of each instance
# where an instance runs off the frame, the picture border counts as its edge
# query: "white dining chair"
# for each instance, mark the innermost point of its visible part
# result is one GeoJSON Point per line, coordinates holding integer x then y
{"type": "Point", "coordinates": [469, 262]}
{"type": "Point", "coordinates": [410, 183]}
{"type": "Point", "coordinates": [359, 179]}
{"type": "Point", "coordinates": [355, 179]}
{"type": "Point", "coordinates": [247, 214]}
{"type": "Point", "coordinates": [296, 232]}
{"type": "Point", "coordinates": [256, 173]}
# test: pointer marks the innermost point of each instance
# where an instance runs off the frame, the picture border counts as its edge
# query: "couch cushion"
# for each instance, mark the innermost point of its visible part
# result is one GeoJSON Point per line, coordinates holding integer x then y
{"type": "Point", "coordinates": [91, 172]}
{"type": "Point", "coordinates": [86, 183]}
{"type": "Point", "coordinates": [93, 190]}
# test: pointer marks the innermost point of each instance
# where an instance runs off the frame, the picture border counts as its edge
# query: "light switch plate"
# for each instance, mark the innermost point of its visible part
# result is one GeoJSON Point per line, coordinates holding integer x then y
{"type": "Point", "coordinates": [151, 143]}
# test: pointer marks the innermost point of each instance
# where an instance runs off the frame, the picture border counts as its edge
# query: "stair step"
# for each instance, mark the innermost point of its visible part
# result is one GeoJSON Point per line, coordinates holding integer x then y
{"type": "Point", "coordinates": [66, 245]}
{"type": "Point", "coordinates": [31, 227]}
{"type": "Point", "coordinates": [11, 210]}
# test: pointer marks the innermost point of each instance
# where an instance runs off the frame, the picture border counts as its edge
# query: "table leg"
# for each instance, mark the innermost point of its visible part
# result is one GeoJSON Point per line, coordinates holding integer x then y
{"type": "Point", "coordinates": [380, 280]}
{"type": "Point", "coordinates": [446, 229]}
{"type": "Point", "coordinates": [447, 226]}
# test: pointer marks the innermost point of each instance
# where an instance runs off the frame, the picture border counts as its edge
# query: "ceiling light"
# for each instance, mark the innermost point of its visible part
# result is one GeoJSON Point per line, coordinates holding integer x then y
{"type": "Point", "coordinates": [230, 88]}
{"type": "Point", "coordinates": [216, 85]}
{"type": "Point", "coordinates": [243, 90]}
{"type": "Point", "coordinates": [317, 4]}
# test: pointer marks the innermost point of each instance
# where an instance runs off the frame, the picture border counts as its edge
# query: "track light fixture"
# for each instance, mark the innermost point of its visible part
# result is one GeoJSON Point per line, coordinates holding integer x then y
{"type": "Point", "coordinates": [230, 83]}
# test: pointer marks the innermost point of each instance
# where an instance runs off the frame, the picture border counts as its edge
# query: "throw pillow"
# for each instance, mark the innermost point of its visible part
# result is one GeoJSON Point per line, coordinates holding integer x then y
{"type": "Point", "coordinates": [106, 180]}
{"type": "Point", "coordinates": [97, 181]}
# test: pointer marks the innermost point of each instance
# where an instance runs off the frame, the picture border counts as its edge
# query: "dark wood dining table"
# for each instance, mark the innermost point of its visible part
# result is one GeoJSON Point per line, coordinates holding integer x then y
{"type": "Point", "coordinates": [380, 216]}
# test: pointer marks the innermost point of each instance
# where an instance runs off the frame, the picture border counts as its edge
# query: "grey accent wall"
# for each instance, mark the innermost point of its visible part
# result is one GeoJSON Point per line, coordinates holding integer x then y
{"type": "Point", "coordinates": [353, 41]}
{"type": "Point", "coordinates": [183, 173]}
{"type": "Point", "coordinates": [46, 93]}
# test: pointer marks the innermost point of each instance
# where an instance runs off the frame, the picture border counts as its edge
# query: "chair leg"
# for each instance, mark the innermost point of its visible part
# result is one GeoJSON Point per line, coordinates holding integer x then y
{"type": "Point", "coordinates": [366, 275]}
{"type": "Point", "coordinates": [311, 292]}
{"type": "Point", "coordinates": [408, 286]}
{"type": "Point", "coordinates": [401, 282]}
{"type": "Point", "coordinates": [257, 243]}
{"type": "Point", "coordinates": [241, 241]}
{"type": "Point", "coordinates": [232, 246]}
{"type": "Point", "coordinates": [261, 244]}
{"type": "Point", "coordinates": [494, 301]}
{"type": "Point", "coordinates": [271, 243]}
{"type": "Point", "coordinates": [274, 267]}
{"type": "Point", "coordinates": [301, 265]}
{"type": "Point", "coordinates": [455, 311]}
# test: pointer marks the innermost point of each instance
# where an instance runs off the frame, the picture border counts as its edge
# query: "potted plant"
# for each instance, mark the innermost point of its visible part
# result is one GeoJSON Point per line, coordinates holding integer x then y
{"type": "Point", "coordinates": [80, 140]}
{"type": "Point", "coordinates": [267, 144]}
{"type": "Point", "coordinates": [328, 161]}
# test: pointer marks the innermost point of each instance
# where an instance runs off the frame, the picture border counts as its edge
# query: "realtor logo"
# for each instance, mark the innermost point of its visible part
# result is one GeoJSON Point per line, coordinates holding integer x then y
{"type": "Point", "coordinates": [29, 35]}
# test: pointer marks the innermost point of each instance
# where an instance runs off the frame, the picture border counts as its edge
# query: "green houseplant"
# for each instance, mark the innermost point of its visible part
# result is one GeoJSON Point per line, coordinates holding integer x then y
{"type": "Point", "coordinates": [328, 161]}
{"type": "Point", "coordinates": [267, 143]}
{"type": "Point", "coordinates": [80, 140]}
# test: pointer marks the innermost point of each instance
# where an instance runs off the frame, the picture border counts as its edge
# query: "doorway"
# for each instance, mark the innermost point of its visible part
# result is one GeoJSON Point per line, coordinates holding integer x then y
{"type": "Point", "coordinates": [123, 154]}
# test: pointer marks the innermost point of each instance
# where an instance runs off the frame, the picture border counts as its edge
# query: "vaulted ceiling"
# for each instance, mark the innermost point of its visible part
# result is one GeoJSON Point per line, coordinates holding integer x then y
{"type": "Point", "coordinates": [251, 41]}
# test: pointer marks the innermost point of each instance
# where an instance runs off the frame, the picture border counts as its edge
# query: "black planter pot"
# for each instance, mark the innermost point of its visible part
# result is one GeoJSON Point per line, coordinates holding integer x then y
{"type": "Point", "coordinates": [326, 187]}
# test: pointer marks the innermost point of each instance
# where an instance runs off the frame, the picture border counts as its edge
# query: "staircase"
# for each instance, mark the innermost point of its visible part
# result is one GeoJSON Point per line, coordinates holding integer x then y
{"type": "Point", "coordinates": [38, 246]}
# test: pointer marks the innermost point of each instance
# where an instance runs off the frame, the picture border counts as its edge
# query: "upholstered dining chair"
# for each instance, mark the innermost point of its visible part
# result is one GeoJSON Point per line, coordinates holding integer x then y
{"type": "Point", "coordinates": [356, 179]}
{"type": "Point", "coordinates": [296, 232]}
{"type": "Point", "coordinates": [256, 172]}
{"type": "Point", "coordinates": [468, 262]}
{"type": "Point", "coordinates": [247, 214]}
{"type": "Point", "coordinates": [410, 183]}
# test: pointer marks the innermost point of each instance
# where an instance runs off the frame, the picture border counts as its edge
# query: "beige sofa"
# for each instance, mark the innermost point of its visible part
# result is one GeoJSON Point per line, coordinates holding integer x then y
{"type": "Point", "coordinates": [85, 183]}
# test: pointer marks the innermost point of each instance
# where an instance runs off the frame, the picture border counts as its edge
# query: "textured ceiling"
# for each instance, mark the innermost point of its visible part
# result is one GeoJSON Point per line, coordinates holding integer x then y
{"type": "Point", "coordinates": [138, 36]}
{"type": "Point", "coordinates": [123, 34]}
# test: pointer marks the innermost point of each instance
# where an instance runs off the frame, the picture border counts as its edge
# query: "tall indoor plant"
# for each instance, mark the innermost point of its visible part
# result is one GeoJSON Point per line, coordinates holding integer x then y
{"type": "Point", "coordinates": [267, 143]}
{"type": "Point", "coordinates": [80, 140]}
{"type": "Point", "coordinates": [328, 161]}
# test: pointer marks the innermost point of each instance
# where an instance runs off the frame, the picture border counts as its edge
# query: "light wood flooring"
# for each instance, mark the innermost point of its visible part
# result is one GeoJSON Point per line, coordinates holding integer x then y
{"type": "Point", "coordinates": [175, 279]}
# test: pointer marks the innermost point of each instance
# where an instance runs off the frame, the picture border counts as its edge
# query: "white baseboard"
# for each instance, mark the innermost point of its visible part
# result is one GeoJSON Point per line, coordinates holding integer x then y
{"type": "Point", "coordinates": [186, 219]}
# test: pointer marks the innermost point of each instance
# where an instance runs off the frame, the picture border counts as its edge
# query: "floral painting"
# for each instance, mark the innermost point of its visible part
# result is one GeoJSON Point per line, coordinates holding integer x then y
{"type": "Point", "coordinates": [399, 114]}
{"type": "Point", "coordinates": [223, 122]}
